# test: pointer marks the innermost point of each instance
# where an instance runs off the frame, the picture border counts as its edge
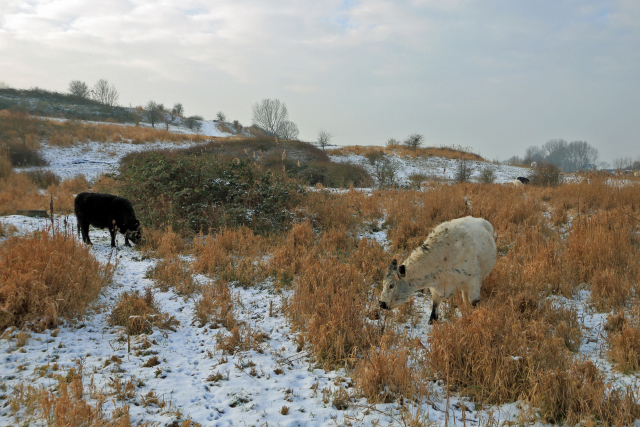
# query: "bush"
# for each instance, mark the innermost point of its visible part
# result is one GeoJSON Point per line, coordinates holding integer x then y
{"type": "Point", "coordinates": [463, 170]}
{"type": "Point", "coordinates": [24, 155]}
{"type": "Point", "coordinates": [43, 178]}
{"type": "Point", "coordinates": [487, 175]}
{"type": "Point", "coordinates": [192, 192]}
{"type": "Point", "coordinates": [546, 175]}
{"type": "Point", "coordinates": [46, 275]}
{"type": "Point", "coordinates": [334, 175]}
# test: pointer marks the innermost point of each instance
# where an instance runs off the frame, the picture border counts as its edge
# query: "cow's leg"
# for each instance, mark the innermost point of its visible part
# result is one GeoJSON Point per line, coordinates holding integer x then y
{"type": "Point", "coordinates": [126, 241]}
{"type": "Point", "coordinates": [434, 309]}
{"type": "Point", "coordinates": [112, 231]}
{"type": "Point", "coordinates": [84, 229]}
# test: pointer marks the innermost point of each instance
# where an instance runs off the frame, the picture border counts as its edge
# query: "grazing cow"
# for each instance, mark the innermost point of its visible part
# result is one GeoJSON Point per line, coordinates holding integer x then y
{"type": "Point", "coordinates": [106, 211]}
{"type": "Point", "coordinates": [523, 180]}
{"type": "Point", "coordinates": [457, 256]}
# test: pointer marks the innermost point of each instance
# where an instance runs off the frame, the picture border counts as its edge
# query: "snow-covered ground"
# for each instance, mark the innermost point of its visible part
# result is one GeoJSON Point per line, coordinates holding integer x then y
{"type": "Point", "coordinates": [436, 167]}
{"type": "Point", "coordinates": [249, 395]}
{"type": "Point", "coordinates": [92, 159]}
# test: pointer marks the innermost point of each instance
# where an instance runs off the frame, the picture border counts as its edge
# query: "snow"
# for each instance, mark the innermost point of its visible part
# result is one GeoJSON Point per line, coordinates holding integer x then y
{"type": "Point", "coordinates": [436, 167]}
{"type": "Point", "coordinates": [189, 355]}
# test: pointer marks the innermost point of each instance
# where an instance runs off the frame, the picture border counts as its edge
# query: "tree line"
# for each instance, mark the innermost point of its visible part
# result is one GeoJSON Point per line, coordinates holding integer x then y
{"type": "Point", "coordinates": [568, 156]}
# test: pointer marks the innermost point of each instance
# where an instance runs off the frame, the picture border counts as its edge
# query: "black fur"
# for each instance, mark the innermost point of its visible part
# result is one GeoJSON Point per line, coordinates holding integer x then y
{"type": "Point", "coordinates": [106, 211]}
{"type": "Point", "coordinates": [523, 180]}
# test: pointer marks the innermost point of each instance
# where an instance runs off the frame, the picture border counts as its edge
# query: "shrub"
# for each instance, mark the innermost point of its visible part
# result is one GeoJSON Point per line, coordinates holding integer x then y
{"type": "Point", "coordinates": [546, 175]}
{"type": "Point", "coordinates": [46, 275]}
{"type": "Point", "coordinates": [23, 155]}
{"type": "Point", "coordinates": [487, 175]}
{"type": "Point", "coordinates": [333, 175]}
{"type": "Point", "coordinates": [192, 192]}
{"type": "Point", "coordinates": [416, 180]}
{"type": "Point", "coordinates": [463, 170]}
{"type": "Point", "coordinates": [43, 178]}
{"type": "Point", "coordinates": [173, 272]}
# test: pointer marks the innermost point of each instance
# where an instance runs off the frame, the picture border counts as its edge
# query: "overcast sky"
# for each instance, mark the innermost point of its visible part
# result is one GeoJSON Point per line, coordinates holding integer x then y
{"type": "Point", "coordinates": [497, 76]}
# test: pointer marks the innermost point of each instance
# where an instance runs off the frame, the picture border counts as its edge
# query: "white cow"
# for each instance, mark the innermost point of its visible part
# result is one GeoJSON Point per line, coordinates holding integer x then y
{"type": "Point", "coordinates": [457, 256]}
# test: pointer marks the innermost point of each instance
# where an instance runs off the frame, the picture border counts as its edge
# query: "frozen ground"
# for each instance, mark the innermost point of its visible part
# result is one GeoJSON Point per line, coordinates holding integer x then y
{"type": "Point", "coordinates": [252, 395]}
{"type": "Point", "coordinates": [93, 159]}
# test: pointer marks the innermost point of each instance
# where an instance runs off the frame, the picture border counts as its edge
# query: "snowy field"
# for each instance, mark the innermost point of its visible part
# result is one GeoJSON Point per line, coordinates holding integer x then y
{"type": "Point", "coordinates": [436, 167]}
{"type": "Point", "coordinates": [251, 392]}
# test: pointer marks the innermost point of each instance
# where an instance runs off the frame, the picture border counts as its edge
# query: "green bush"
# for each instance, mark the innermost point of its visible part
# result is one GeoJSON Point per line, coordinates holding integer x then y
{"type": "Point", "coordinates": [333, 175]}
{"type": "Point", "coordinates": [203, 192]}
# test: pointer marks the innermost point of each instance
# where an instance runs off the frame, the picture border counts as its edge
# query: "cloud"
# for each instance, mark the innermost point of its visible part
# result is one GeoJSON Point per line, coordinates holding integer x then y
{"type": "Point", "coordinates": [497, 76]}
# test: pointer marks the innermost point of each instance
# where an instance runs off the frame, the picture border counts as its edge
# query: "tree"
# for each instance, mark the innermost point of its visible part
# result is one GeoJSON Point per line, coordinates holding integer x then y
{"type": "Point", "coordinates": [176, 111]}
{"type": "Point", "coordinates": [221, 117]}
{"type": "Point", "coordinates": [194, 123]}
{"type": "Point", "coordinates": [288, 130]}
{"type": "Point", "coordinates": [413, 141]}
{"type": "Point", "coordinates": [80, 89]}
{"type": "Point", "coordinates": [272, 116]}
{"type": "Point", "coordinates": [154, 112]}
{"type": "Point", "coordinates": [324, 138]}
{"type": "Point", "coordinates": [464, 169]}
{"type": "Point", "coordinates": [105, 93]}
{"type": "Point", "coordinates": [622, 163]}
{"type": "Point", "coordinates": [392, 141]}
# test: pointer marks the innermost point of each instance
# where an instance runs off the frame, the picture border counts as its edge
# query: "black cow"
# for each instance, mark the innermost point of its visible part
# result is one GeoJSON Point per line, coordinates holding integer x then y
{"type": "Point", "coordinates": [106, 211]}
{"type": "Point", "coordinates": [523, 180]}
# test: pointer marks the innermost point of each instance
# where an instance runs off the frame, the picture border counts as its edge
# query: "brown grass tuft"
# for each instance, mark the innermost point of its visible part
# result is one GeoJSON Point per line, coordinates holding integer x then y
{"type": "Point", "coordinates": [46, 275]}
{"type": "Point", "coordinates": [139, 314]}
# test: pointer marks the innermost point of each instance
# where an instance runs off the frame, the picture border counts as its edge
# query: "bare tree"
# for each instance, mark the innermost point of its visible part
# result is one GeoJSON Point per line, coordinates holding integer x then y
{"type": "Point", "coordinates": [622, 162]}
{"type": "Point", "coordinates": [324, 138]}
{"type": "Point", "coordinates": [288, 130]}
{"type": "Point", "coordinates": [271, 116]}
{"type": "Point", "coordinates": [105, 93]}
{"type": "Point", "coordinates": [414, 141]}
{"type": "Point", "coordinates": [78, 88]}
{"type": "Point", "coordinates": [154, 112]}
{"type": "Point", "coordinates": [221, 117]}
{"type": "Point", "coordinates": [176, 111]}
{"type": "Point", "coordinates": [464, 169]}
{"type": "Point", "coordinates": [237, 126]}
{"type": "Point", "coordinates": [385, 170]}
{"type": "Point", "coordinates": [392, 141]}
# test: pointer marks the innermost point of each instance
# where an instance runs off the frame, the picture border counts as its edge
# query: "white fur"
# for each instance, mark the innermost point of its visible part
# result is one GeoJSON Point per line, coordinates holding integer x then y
{"type": "Point", "coordinates": [517, 182]}
{"type": "Point", "coordinates": [457, 256]}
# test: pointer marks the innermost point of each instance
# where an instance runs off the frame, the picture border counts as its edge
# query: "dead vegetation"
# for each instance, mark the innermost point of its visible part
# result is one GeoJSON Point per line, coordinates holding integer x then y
{"type": "Point", "coordinates": [46, 275]}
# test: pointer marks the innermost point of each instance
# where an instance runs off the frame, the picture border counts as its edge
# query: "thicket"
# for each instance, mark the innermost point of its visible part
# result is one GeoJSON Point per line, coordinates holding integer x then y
{"type": "Point", "coordinates": [203, 193]}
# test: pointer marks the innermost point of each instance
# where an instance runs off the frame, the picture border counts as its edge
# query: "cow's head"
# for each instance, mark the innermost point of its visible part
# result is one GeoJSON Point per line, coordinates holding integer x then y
{"type": "Point", "coordinates": [395, 288]}
{"type": "Point", "coordinates": [134, 232]}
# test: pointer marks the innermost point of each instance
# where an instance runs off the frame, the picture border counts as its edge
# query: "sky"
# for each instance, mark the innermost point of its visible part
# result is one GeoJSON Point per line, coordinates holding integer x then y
{"type": "Point", "coordinates": [495, 76]}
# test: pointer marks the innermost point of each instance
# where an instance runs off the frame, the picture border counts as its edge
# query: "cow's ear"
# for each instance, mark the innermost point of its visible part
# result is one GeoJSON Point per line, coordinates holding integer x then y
{"type": "Point", "coordinates": [402, 271]}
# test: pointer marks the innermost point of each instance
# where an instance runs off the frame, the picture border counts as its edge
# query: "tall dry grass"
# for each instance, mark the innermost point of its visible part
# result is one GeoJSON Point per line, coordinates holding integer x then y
{"type": "Point", "coordinates": [46, 275]}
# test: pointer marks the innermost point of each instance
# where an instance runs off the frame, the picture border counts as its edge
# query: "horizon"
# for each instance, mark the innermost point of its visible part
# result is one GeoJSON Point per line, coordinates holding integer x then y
{"type": "Point", "coordinates": [498, 78]}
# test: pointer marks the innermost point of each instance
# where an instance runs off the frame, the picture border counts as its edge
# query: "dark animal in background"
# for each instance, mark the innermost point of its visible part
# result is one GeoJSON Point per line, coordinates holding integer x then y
{"type": "Point", "coordinates": [523, 180]}
{"type": "Point", "coordinates": [106, 211]}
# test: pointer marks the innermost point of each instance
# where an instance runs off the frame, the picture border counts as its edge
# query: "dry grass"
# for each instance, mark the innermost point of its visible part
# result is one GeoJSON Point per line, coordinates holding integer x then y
{"type": "Point", "coordinates": [18, 191]}
{"type": "Point", "coordinates": [234, 255]}
{"type": "Point", "coordinates": [455, 153]}
{"type": "Point", "coordinates": [46, 275]}
{"type": "Point", "coordinates": [623, 339]}
{"type": "Point", "coordinates": [70, 405]}
{"type": "Point", "coordinates": [139, 313]}
{"type": "Point", "coordinates": [173, 272]}
{"type": "Point", "coordinates": [216, 306]}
